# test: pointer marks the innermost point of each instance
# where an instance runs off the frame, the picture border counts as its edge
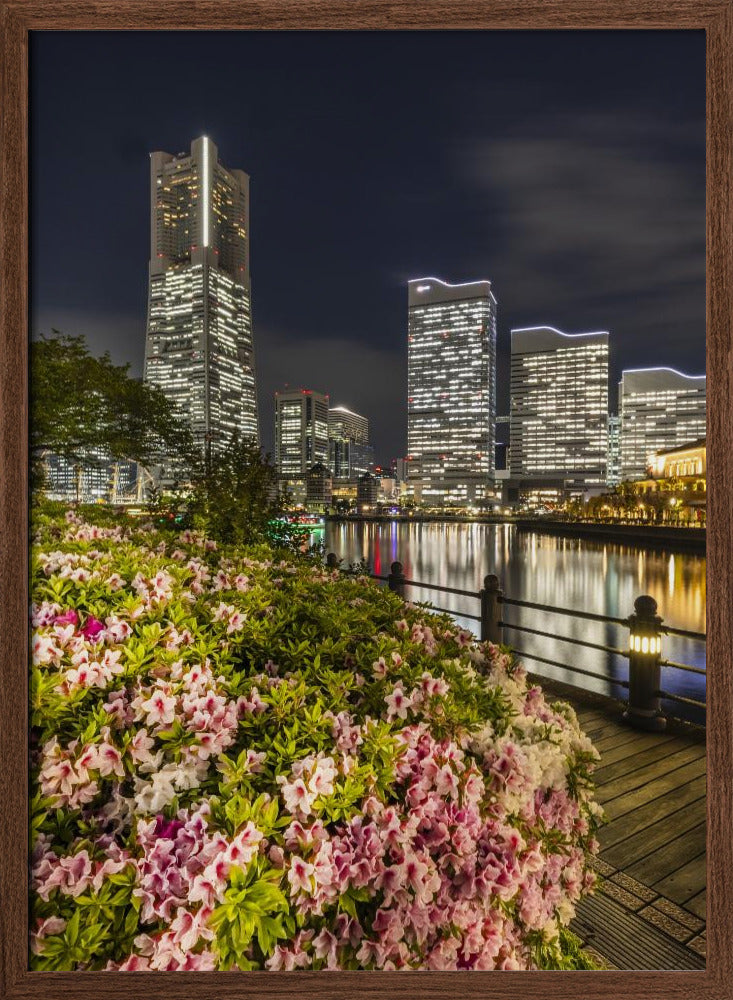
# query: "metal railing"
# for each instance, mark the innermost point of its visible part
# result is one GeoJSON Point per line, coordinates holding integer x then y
{"type": "Point", "coordinates": [644, 652]}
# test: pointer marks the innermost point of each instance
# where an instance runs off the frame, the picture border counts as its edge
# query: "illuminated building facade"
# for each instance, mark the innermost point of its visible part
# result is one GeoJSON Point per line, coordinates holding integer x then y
{"type": "Point", "coordinates": [451, 391]}
{"type": "Point", "coordinates": [301, 432]}
{"type": "Point", "coordinates": [97, 478]}
{"type": "Point", "coordinates": [199, 348]}
{"type": "Point", "coordinates": [613, 476]}
{"type": "Point", "coordinates": [349, 452]}
{"type": "Point", "coordinates": [559, 408]}
{"type": "Point", "coordinates": [660, 409]}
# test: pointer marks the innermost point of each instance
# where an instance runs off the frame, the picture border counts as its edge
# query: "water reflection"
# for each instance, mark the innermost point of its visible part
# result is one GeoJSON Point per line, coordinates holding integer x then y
{"type": "Point", "coordinates": [601, 577]}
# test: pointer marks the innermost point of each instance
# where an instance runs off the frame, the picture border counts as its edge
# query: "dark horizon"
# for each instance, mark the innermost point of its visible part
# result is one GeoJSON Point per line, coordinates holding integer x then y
{"type": "Point", "coordinates": [568, 168]}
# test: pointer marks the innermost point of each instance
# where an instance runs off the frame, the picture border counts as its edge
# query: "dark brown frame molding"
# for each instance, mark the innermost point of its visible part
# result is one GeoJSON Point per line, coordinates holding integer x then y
{"type": "Point", "coordinates": [18, 17]}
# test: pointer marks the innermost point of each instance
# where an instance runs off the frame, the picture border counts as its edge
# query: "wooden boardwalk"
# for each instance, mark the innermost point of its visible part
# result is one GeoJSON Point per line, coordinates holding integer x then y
{"type": "Point", "coordinates": [650, 910]}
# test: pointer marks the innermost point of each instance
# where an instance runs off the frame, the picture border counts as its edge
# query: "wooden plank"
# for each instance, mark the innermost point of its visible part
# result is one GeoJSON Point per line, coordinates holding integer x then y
{"type": "Point", "coordinates": [616, 737]}
{"type": "Point", "coordinates": [654, 837]}
{"type": "Point", "coordinates": [639, 818]}
{"type": "Point", "coordinates": [649, 775]}
{"type": "Point", "coordinates": [620, 751]}
{"type": "Point", "coordinates": [659, 864]}
{"type": "Point", "coordinates": [668, 782]}
{"type": "Point", "coordinates": [686, 882]}
{"type": "Point", "coordinates": [628, 941]}
{"type": "Point", "coordinates": [613, 769]}
{"type": "Point", "coordinates": [588, 716]}
{"type": "Point", "coordinates": [698, 904]}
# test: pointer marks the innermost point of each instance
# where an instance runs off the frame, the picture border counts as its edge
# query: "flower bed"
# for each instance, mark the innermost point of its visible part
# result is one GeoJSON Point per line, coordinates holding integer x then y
{"type": "Point", "coordinates": [245, 762]}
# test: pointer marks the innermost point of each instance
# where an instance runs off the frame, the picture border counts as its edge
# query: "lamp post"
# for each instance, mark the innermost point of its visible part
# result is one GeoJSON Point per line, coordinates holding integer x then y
{"type": "Point", "coordinates": [645, 672]}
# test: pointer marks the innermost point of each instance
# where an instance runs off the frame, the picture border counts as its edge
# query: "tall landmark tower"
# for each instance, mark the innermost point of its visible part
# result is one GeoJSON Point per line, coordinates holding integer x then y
{"type": "Point", "coordinates": [199, 347]}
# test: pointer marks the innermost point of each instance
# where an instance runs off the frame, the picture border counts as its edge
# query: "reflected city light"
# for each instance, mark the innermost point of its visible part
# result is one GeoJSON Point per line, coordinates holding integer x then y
{"type": "Point", "coordinates": [602, 578]}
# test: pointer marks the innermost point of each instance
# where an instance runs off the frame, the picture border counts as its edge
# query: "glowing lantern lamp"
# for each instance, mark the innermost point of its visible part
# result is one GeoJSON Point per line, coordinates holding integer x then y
{"type": "Point", "coordinates": [645, 671]}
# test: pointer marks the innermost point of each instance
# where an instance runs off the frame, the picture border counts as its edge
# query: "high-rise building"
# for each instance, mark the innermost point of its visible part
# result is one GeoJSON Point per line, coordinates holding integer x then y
{"type": "Point", "coordinates": [559, 407]}
{"type": "Point", "coordinates": [451, 391]}
{"type": "Point", "coordinates": [199, 348]}
{"type": "Point", "coordinates": [613, 474]}
{"type": "Point", "coordinates": [349, 453]}
{"type": "Point", "coordinates": [301, 432]}
{"type": "Point", "coordinates": [660, 408]}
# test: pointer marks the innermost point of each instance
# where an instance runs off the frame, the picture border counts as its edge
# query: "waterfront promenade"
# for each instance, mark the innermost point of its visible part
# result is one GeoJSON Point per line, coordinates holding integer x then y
{"type": "Point", "coordinates": [650, 909]}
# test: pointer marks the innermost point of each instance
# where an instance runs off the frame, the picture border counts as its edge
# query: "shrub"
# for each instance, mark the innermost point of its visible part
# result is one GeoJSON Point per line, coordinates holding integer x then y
{"type": "Point", "coordinates": [241, 761]}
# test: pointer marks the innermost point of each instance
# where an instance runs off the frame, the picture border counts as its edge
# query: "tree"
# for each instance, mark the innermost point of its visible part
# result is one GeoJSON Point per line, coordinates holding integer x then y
{"type": "Point", "coordinates": [90, 411]}
{"type": "Point", "coordinates": [234, 494]}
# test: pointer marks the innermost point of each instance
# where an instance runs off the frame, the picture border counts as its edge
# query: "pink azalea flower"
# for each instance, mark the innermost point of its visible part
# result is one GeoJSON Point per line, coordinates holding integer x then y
{"type": "Point", "coordinates": [69, 617]}
{"type": "Point", "coordinates": [159, 709]}
{"type": "Point", "coordinates": [397, 704]}
{"type": "Point", "coordinates": [92, 628]}
{"type": "Point", "coordinates": [299, 875]}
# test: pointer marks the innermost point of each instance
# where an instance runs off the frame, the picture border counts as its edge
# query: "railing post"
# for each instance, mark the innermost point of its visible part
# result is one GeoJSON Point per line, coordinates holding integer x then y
{"type": "Point", "coordinates": [491, 595]}
{"type": "Point", "coordinates": [332, 560]}
{"type": "Point", "coordinates": [396, 579]}
{"type": "Point", "coordinates": [645, 671]}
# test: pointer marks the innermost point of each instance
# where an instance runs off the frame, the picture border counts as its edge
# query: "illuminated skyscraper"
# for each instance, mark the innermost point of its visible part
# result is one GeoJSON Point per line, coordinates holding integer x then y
{"type": "Point", "coordinates": [660, 408]}
{"type": "Point", "coordinates": [451, 390]}
{"type": "Point", "coordinates": [349, 453]}
{"type": "Point", "coordinates": [301, 432]}
{"type": "Point", "coordinates": [559, 407]}
{"type": "Point", "coordinates": [613, 472]}
{"type": "Point", "coordinates": [199, 348]}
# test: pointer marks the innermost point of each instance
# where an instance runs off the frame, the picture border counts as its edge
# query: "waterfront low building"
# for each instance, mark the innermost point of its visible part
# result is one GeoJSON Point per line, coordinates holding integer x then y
{"type": "Point", "coordinates": [318, 488]}
{"type": "Point", "coordinates": [367, 492]}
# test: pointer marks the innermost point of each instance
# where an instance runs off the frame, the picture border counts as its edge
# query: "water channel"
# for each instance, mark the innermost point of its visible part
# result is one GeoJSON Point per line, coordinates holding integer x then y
{"type": "Point", "coordinates": [595, 576]}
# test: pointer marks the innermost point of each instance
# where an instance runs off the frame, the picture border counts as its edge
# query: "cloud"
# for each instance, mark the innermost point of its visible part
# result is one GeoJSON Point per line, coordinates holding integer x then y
{"type": "Point", "coordinates": [599, 215]}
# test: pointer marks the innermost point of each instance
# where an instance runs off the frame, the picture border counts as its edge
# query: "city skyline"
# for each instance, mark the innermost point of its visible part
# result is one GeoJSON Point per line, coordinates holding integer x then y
{"type": "Point", "coordinates": [610, 236]}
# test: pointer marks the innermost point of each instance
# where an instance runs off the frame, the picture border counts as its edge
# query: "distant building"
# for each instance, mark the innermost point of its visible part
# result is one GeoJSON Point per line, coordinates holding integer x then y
{"type": "Point", "coordinates": [96, 479]}
{"type": "Point", "coordinates": [367, 491]}
{"type": "Point", "coordinates": [613, 475]}
{"type": "Point", "coordinates": [689, 461]}
{"type": "Point", "coordinates": [301, 432]}
{"type": "Point", "coordinates": [199, 347]}
{"type": "Point", "coordinates": [559, 410]}
{"type": "Point", "coordinates": [318, 488]}
{"type": "Point", "coordinates": [451, 394]}
{"type": "Point", "coordinates": [349, 453]}
{"type": "Point", "coordinates": [676, 488]}
{"type": "Point", "coordinates": [399, 469]}
{"type": "Point", "coordinates": [660, 408]}
{"type": "Point", "coordinates": [389, 490]}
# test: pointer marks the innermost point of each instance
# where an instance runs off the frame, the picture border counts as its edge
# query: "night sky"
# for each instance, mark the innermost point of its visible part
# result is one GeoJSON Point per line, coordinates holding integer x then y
{"type": "Point", "coordinates": [566, 167]}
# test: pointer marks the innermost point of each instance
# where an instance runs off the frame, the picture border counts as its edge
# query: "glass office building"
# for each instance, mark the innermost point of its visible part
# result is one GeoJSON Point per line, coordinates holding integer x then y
{"type": "Point", "coordinates": [660, 408]}
{"type": "Point", "coordinates": [349, 453]}
{"type": "Point", "coordinates": [301, 432]}
{"type": "Point", "coordinates": [451, 391]}
{"type": "Point", "coordinates": [199, 347]}
{"type": "Point", "coordinates": [559, 407]}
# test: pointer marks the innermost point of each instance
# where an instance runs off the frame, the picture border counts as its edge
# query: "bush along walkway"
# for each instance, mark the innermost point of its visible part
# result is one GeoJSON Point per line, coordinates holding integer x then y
{"type": "Point", "coordinates": [242, 761]}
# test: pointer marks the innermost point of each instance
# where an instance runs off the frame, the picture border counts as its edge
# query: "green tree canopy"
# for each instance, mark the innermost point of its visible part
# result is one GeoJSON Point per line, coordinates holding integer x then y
{"type": "Point", "coordinates": [234, 495]}
{"type": "Point", "coordinates": [81, 404]}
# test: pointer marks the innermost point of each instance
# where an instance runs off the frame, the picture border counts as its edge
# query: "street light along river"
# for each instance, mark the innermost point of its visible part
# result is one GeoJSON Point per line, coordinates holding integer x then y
{"type": "Point", "coordinates": [601, 577]}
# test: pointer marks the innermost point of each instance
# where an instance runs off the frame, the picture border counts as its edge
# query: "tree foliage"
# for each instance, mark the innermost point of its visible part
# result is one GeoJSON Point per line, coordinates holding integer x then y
{"type": "Point", "coordinates": [87, 409]}
{"type": "Point", "coordinates": [234, 495]}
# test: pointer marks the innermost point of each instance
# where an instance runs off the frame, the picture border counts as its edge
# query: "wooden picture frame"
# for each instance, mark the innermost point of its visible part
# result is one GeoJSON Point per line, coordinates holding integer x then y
{"type": "Point", "coordinates": [19, 17]}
